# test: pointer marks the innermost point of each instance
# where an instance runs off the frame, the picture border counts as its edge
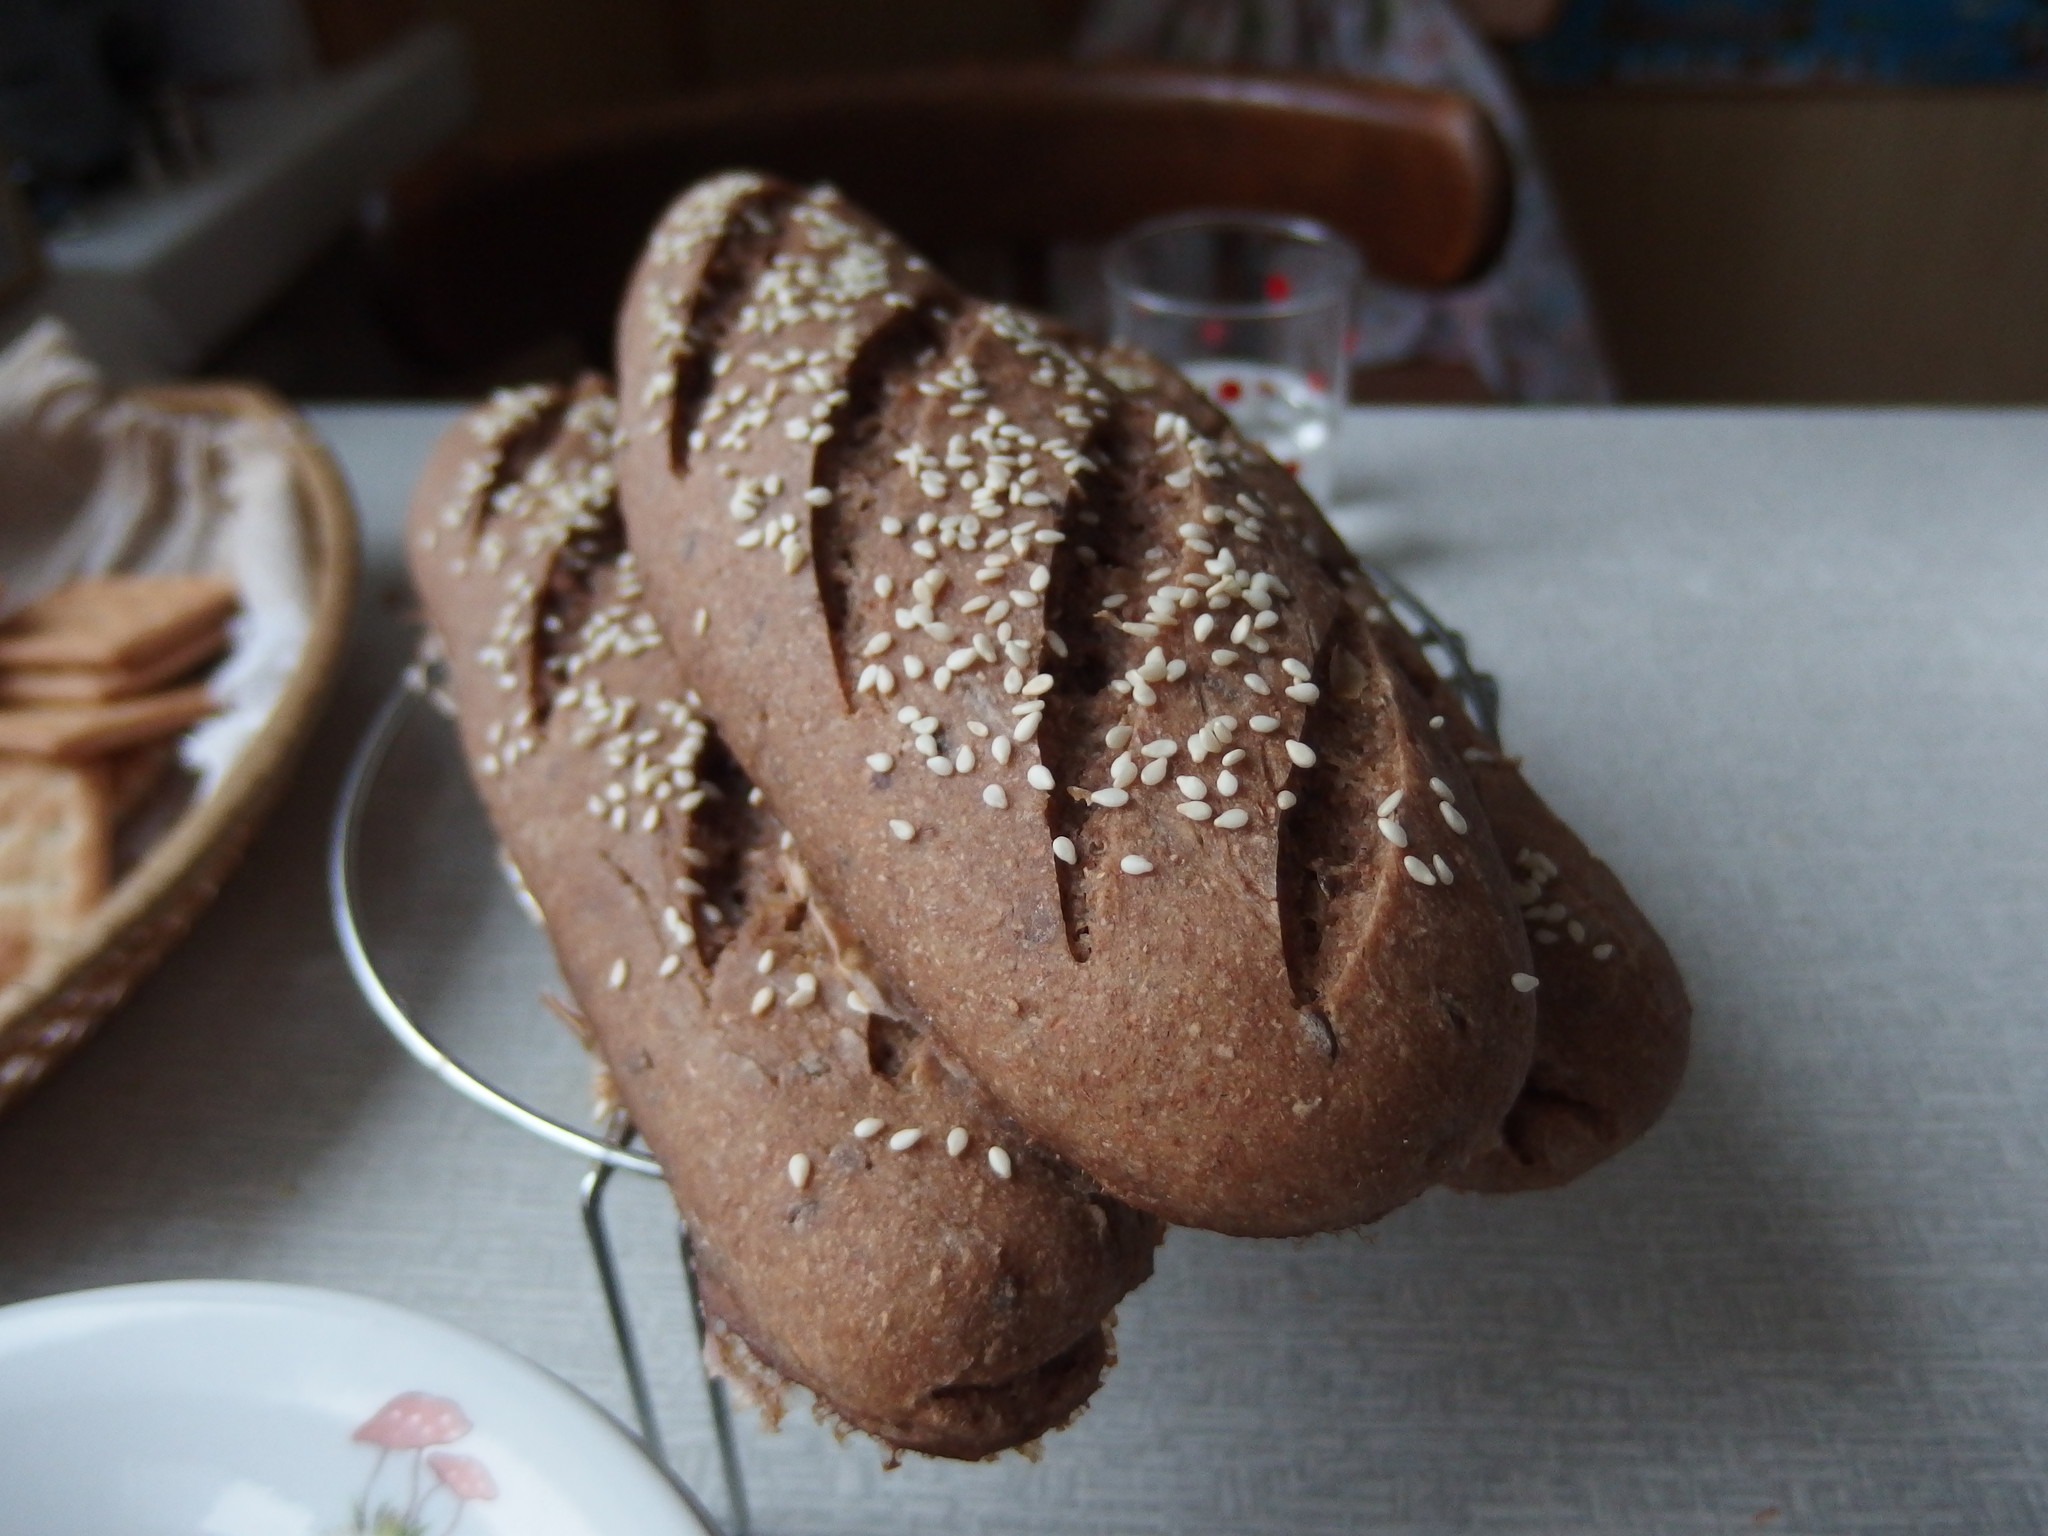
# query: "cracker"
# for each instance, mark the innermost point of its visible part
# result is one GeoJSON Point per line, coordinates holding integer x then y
{"type": "Point", "coordinates": [64, 685]}
{"type": "Point", "coordinates": [56, 853]}
{"type": "Point", "coordinates": [132, 775]}
{"type": "Point", "coordinates": [69, 732]}
{"type": "Point", "coordinates": [115, 622]}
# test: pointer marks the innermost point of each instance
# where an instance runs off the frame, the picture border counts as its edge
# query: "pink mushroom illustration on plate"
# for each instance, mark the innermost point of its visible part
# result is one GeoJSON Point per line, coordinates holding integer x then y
{"type": "Point", "coordinates": [408, 1427]}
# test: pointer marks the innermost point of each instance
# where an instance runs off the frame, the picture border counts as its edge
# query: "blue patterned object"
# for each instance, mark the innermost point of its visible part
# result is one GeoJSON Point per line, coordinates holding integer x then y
{"type": "Point", "coordinates": [1932, 42]}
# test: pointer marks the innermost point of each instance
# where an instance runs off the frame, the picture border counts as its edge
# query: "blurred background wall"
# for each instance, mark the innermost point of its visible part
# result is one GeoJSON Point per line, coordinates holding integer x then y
{"type": "Point", "coordinates": [1764, 241]}
{"type": "Point", "coordinates": [1789, 243]}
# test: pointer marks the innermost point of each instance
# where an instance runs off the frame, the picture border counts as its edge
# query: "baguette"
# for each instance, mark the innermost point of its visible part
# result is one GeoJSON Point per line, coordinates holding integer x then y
{"type": "Point", "coordinates": [947, 1291]}
{"type": "Point", "coordinates": [1613, 1022]}
{"type": "Point", "coordinates": [1063, 696]}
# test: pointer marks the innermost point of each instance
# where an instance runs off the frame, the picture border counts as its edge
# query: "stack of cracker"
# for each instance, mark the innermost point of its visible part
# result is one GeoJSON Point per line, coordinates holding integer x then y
{"type": "Point", "coordinates": [95, 684]}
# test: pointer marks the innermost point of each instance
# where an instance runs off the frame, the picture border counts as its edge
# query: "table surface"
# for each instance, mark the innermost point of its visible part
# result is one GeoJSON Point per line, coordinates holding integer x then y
{"type": "Point", "coordinates": [1788, 671]}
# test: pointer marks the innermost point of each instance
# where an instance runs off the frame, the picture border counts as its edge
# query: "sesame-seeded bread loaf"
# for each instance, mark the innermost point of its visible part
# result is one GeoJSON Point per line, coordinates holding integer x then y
{"type": "Point", "coordinates": [1613, 1022]}
{"type": "Point", "coordinates": [1062, 695]}
{"type": "Point", "coordinates": [865, 1221]}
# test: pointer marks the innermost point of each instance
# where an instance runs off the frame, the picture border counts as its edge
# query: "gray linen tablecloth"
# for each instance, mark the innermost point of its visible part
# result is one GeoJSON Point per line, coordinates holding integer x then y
{"type": "Point", "coordinates": [1787, 671]}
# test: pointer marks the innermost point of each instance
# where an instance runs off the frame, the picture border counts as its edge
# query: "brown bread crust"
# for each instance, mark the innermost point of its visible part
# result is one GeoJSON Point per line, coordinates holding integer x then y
{"type": "Point", "coordinates": [1271, 1020]}
{"type": "Point", "coordinates": [1613, 1022]}
{"type": "Point", "coordinates": [940, 1302]}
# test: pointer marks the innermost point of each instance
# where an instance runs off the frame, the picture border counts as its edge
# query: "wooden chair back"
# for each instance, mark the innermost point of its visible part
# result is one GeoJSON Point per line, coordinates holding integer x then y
{"type": "Point", "coordinates": [502, 244]}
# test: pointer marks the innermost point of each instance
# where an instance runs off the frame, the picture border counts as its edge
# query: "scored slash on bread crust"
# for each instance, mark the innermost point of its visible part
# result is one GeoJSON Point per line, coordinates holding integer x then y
{"type": "Point", "coordinates": [866, 1222]}
{"type": "Point", "coordinates": [1067, 697]}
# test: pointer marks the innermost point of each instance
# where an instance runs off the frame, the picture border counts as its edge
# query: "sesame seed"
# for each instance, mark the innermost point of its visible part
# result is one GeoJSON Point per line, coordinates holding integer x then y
{"type": "Point", "coordinates": [1436, 722]}
{"type": "Point", "coordinates": [881, 762]}
{"type": "Point", "coordinates": [1195, 810]}
{"type": "Point", "coordinates": [904, 1140]}
{"type": "Point", "coordinates": [1205, 626]}
{"type": "Point", "coordinates": [1063, 850]}
{"type": "Point", "coordinates": [956, 1141]}
{"type": "Point", "coordinates": [616, 978]}
{"type": "Point", "coordinates": [1304, 693]}
{"type": "Point", "coordinates": [1295, 669]}
{"type": "Point", "coordinates": [1443, 870]}
{"type": "Point", "coordinates": [1420, 872]}
{"type": "Point", "coordinates": [670, 964]}
{"type": "Point", "coordinates": [1393, 832]}
{"type": "Point", "coordinates": [1223, 658]}
{"type": "Point", "coordinates": [1040, 684]}
{"type": "Point", "coordinates": [805, 992]}
{"type": "Point", "coordinates": [701, 622]}
{"type": "Point", "coordinates": [1112, 797]}
{"type": "Point", "coordinates": [1038, 776]}
{"type": "Point", "coordinates": [1123, 772]}
{"type": "Point", "coordinates": [1135, 864]}
{"type": "Point", "coordinates": [1233, 818]}
{"type": "Point", "coordinates": [1226, 782]}
{"type": "Point", "coordinates": [963, 760]}
{"type": "Point", "coordinates": [1453, 817]}
{"type": "Point", "coordinates": [999, 1162]}
{"type": "Point", "coordinates": [868, 1129]}
{"type": "Point", "coordinates": [1257, 684]}
{"type": "Point", "coordinates": [799, 1171]}
{"type": "Point", "coordinates": [1265, 725]}
{"type": "Point", "coordinates": [762, 1001]}
{"type": "Point", "coordinates": [994, 797]}
{"type": "Point", "coordinates": [942, 766]}
{"type": "Point", "coordinates": [817, 496]}
{"type": "Point", "coordinates": [1603, 951]}
{"type": "Point", "coordinates": [766, 963]}
{"type": "Point", "coordinates": [1191, 787]}
{"type": "Point", "coordinates": [1524, 982]}
{"type": "Point", "coordinates": [902, 831]}
{"type": "Point", "coordinates": [1301, 754]}
{"type": "Point", "coordinates": [1285, 800]}
{"type": "Point", "coordinates": [1392, 803]}
{"type": "Point", "coordinates": [1027, 727]}
{"type": "Point", "coordinates": [1154, 771]}
{"type": "Point", "coordinates": [1442, 789]}
{"type": "Point", "coordinates": [1000, 749]}
{"type": "Point", "coordinates": [1164, 747]}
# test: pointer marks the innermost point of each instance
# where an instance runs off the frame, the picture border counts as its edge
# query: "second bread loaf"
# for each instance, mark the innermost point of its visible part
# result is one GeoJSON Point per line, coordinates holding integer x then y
{"type": "Point", "coordinates": [865, 1221]}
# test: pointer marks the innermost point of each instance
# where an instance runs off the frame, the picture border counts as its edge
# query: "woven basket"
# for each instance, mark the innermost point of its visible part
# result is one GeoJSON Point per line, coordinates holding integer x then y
{"type": "Point", "coordinates": [51, 1009]}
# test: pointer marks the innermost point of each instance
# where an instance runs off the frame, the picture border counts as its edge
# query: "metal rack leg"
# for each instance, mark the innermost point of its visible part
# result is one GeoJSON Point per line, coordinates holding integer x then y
{"type": "Point", "coordinates": [721, 1410]}
{"type": "Point", "coordinates": [598, 1234]}
{"type": "Point", "coordinates": [595, 1183]}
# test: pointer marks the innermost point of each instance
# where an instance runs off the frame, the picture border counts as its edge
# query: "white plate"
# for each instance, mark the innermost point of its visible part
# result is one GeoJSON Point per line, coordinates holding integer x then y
{"type": "Point", "coordinates": [219, 1408]}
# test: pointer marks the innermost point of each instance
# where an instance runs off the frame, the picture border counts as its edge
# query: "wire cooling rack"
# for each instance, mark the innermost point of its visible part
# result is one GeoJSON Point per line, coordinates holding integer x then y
{"type": "Point", "coordinates": [415, 704]}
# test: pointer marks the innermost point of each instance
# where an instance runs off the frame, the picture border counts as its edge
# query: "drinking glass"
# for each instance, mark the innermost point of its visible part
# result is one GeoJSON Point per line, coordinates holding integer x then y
{"type": "Point", "coordinates": [1255, 309]}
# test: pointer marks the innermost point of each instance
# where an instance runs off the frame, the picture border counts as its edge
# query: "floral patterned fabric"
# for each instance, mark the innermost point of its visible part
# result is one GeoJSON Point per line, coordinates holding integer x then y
{"type": "Point", "coordinates": [1526, 328]}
